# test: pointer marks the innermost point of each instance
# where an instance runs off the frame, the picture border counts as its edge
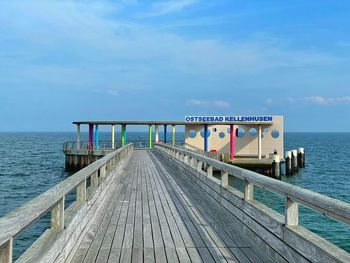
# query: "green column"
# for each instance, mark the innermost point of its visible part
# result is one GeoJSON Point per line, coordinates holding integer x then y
{"type": "Point", "coordinates": [150, 136]}
{"type": "Point", "coordinates": [123, 134]}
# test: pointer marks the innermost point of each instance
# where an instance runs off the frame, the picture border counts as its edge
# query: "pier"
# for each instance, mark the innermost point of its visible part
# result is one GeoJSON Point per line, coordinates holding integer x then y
{"type": "Point", "coordinates": [245, 141]}
{"type": "Point", "coordinates": [164, 204]}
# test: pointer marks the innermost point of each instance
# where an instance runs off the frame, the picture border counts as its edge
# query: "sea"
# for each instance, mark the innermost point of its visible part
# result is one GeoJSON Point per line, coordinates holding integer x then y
{"type": "Point", "coordinates": [31, 163]}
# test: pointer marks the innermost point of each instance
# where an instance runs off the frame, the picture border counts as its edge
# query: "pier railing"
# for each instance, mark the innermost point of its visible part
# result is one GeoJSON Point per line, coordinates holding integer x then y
{"type": "Point", "coordinates": [285, 228]}
{"type": "Point", "coordinates": [99, 175]}
{"type": "Point", "coordinates": [103, 145]}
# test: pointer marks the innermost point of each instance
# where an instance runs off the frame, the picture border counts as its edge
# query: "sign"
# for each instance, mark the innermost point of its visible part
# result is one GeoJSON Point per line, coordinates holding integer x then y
{"type": "Point", "coordinates": [265, 118]}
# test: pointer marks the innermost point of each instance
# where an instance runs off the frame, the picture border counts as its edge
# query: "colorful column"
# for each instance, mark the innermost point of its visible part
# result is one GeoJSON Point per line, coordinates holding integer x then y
{"type": "Point", "coordinates": [157, 135]}
{"type": "Point", "coordinates": [232, 142]}
{"type": "Point", "coordinates": [96, 137]}
{"type": "Point", "coordinates": [205, 137]}
{"type": "Point", "coordinates": [91, 127]}
{"type": "Point", "coordinates": [259, 142]}
{"type": "Point", "coordinates": [123, 135]}
{"type": "Point", "coordinates": [78, 136]}
{"type": "Point", "coordinates": [150, 136]}
{"type": "Point", "coordinates": [164, 133]}
{"type": "Point", "coordinates": [112, 137]}
{"type": "Point", "coordinates": [173, 135]}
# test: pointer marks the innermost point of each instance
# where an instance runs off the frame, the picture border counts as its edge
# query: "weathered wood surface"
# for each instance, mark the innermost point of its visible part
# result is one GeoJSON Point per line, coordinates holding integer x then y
{"type": "Point", "coordinates": [279, 235]}
{"type": "Point", "coordinates": [328, 206]}
{"type": "Point", "coordinates": [14, 222]}
{"type": "Point", "coordinates": [158, 216]}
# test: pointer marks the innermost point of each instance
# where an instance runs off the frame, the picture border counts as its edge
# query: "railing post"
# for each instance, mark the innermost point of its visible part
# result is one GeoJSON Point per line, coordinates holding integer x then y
{"type": "Point", "coordinates": [57, 215]}
{"type": "Point", "coordinates": [224, 178]}
{"type": "Point", "coordinates": [192, 162]}
{"type": "Point", "coordinates": [81, 191]}
{"type": "Point", "coordinates": [199, 165]}
{"type": "Point", "coordinates": [210, 171]}
{"type": "Point", "coordinates": [94, 179]}
{"type": "Point", "coordinates": [248, 190]}
{"type": "Point", "coordinates": [291, 212]}
{"type": "Point", "coordinates": [185, 159]}
{"type": "Point", "coordinates": [103, 170]}
{"type": "Point", "coordinates": [6, 252]}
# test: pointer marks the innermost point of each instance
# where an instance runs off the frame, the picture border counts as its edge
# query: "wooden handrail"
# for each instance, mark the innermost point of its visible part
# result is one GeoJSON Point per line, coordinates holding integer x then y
{"type": "Point", "coordinates": [53, 199]}
{"type": "Point", "coordinates": [294, 195]}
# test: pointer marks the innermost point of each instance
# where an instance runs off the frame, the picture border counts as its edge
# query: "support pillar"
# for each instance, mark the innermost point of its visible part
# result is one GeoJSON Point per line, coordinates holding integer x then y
{"type": "Point", "coordinates": [96, 137]}
{"type": "Point", "coordinates": [205, 137]}
{"type": "Point", "coordinates": [78, 136]}
{"type": "Point", "coordinates": [157, 135]}
{"type": "Point", "coordinates": [91, 127]}
{"type": "Point", "coordinates": [150, 136]}
{"type": "Point", "coordinates": [164, 133]}
{"type": "Point", "coordinates": [112, 137]}
{"type": "Point", "coordinates": [232, 142]}
{"type": "Point", "coordinates": [259, 142]}
{"type": "Point", "coordinates": [123, 135]}
{"type": "Point", "coordinates": [173, 135]}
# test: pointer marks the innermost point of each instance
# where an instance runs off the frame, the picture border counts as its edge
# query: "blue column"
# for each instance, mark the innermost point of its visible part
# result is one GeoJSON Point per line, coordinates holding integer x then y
{"type": "Point", "coordinates": [96, 137]}
{"type": "Point", "coordinates": [164, 133]}
{"type": "Point", "coordinates": [205, 138]}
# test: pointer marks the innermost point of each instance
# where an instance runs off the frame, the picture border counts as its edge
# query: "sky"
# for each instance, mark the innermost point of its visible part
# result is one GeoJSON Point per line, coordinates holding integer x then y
{"type": "Point", "coordinates": [62, 61]}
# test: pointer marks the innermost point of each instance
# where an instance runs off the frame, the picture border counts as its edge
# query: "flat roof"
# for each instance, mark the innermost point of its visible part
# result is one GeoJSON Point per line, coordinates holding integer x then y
{"type": "Point", "coordinates": [173, 123]}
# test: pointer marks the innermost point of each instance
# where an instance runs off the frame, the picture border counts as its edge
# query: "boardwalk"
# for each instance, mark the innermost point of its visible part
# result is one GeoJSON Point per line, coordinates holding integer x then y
{"type": "Point", "coordinates": [156, 214]}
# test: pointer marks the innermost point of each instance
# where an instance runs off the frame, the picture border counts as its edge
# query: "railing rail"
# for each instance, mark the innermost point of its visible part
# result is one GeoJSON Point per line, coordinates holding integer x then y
{"type": "Point", "coordinates": [53, 200]}
{"type": "Point", "coordinates": [102, 145]}
{"type": "Point", "coordinates": [293, 195]}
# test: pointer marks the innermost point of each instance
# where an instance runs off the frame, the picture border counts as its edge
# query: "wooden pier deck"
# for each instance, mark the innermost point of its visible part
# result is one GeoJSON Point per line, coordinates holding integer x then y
{"type": "Point", "coordinates": [156, 215]}
{"type": "Point", "coordinates": [166, 205]}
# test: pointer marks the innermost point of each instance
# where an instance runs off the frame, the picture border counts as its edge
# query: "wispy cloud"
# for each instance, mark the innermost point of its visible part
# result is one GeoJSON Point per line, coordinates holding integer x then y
{"type": "Point", "coordinates": [166, 7]}
{"type": "Point", "coordinates": [317, 100]}
{"type": "Point", "coordinates": [221, 104]}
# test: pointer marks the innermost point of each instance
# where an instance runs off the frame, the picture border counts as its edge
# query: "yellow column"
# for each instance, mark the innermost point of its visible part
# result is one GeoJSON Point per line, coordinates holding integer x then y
{"type": "Point", "coordinates": [112, 137]}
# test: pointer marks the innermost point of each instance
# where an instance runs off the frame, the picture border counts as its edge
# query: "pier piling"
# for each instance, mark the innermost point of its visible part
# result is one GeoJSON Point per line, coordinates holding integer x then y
{"type": "Point", "coordinates": [294, 161]}
{"type": "Point", "coordinates": [301, 158]}
{"type": "Point", "coordinates": [288, 163]}
{"type": "Point", "coordinates": [276, 167]}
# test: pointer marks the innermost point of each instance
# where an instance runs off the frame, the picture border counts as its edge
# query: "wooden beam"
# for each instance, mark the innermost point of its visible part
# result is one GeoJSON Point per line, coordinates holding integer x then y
{"type": "Point", "coordinates": [57, 215]}
{"type": "Point", "coordinates": [291, 212]}
{"type": "Point", "coordinates": [6, 252]}
{"type": "Point", "coordinates": [248, 190]}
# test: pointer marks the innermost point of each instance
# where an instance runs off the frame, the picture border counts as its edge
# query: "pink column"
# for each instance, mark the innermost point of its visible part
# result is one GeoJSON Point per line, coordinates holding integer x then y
{"type": "Point", "coordinates": [232, 142]}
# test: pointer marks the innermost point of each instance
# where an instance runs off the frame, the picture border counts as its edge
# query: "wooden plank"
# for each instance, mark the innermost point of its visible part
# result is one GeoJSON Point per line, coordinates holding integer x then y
{"type": "Point", "coordinates": [148, 255]}
{"type": "Point", "coordinates": [126, 255]}
{"type": "Point", "coordinates": [160, 255]}
{"type": "Point", "coordinates": [171, 255]}
{"type": "Point", "coordinates": [194, 255]}
{"type": "Point", "coordinates": [137, 254]}
{"type": "Point", "coordinates": [205, 255]}
{"type": "Point", "coordinates": [238, 253]}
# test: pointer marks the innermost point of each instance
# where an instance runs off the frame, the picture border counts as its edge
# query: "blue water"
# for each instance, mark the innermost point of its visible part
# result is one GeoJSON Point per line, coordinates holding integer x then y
{"type": "Point", "coordinates": [31, 163]}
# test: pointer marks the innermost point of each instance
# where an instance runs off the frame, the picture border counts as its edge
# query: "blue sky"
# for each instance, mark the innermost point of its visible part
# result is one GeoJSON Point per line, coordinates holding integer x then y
{"type": "Point", "coordinates": [62, 61]}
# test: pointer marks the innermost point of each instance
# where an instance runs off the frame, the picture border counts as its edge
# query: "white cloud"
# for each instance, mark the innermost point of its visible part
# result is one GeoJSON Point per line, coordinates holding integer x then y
{"type": "Point", "coordinates": [92, 45]}
{"type": "Point", "coordinates": [221, 104]}
{"type": "Point", "coordinates": [166, 7]}
{"type": "Point", "coordinates": [318, 100]}
{"type": "Point", "coordinates": [206, 103]}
